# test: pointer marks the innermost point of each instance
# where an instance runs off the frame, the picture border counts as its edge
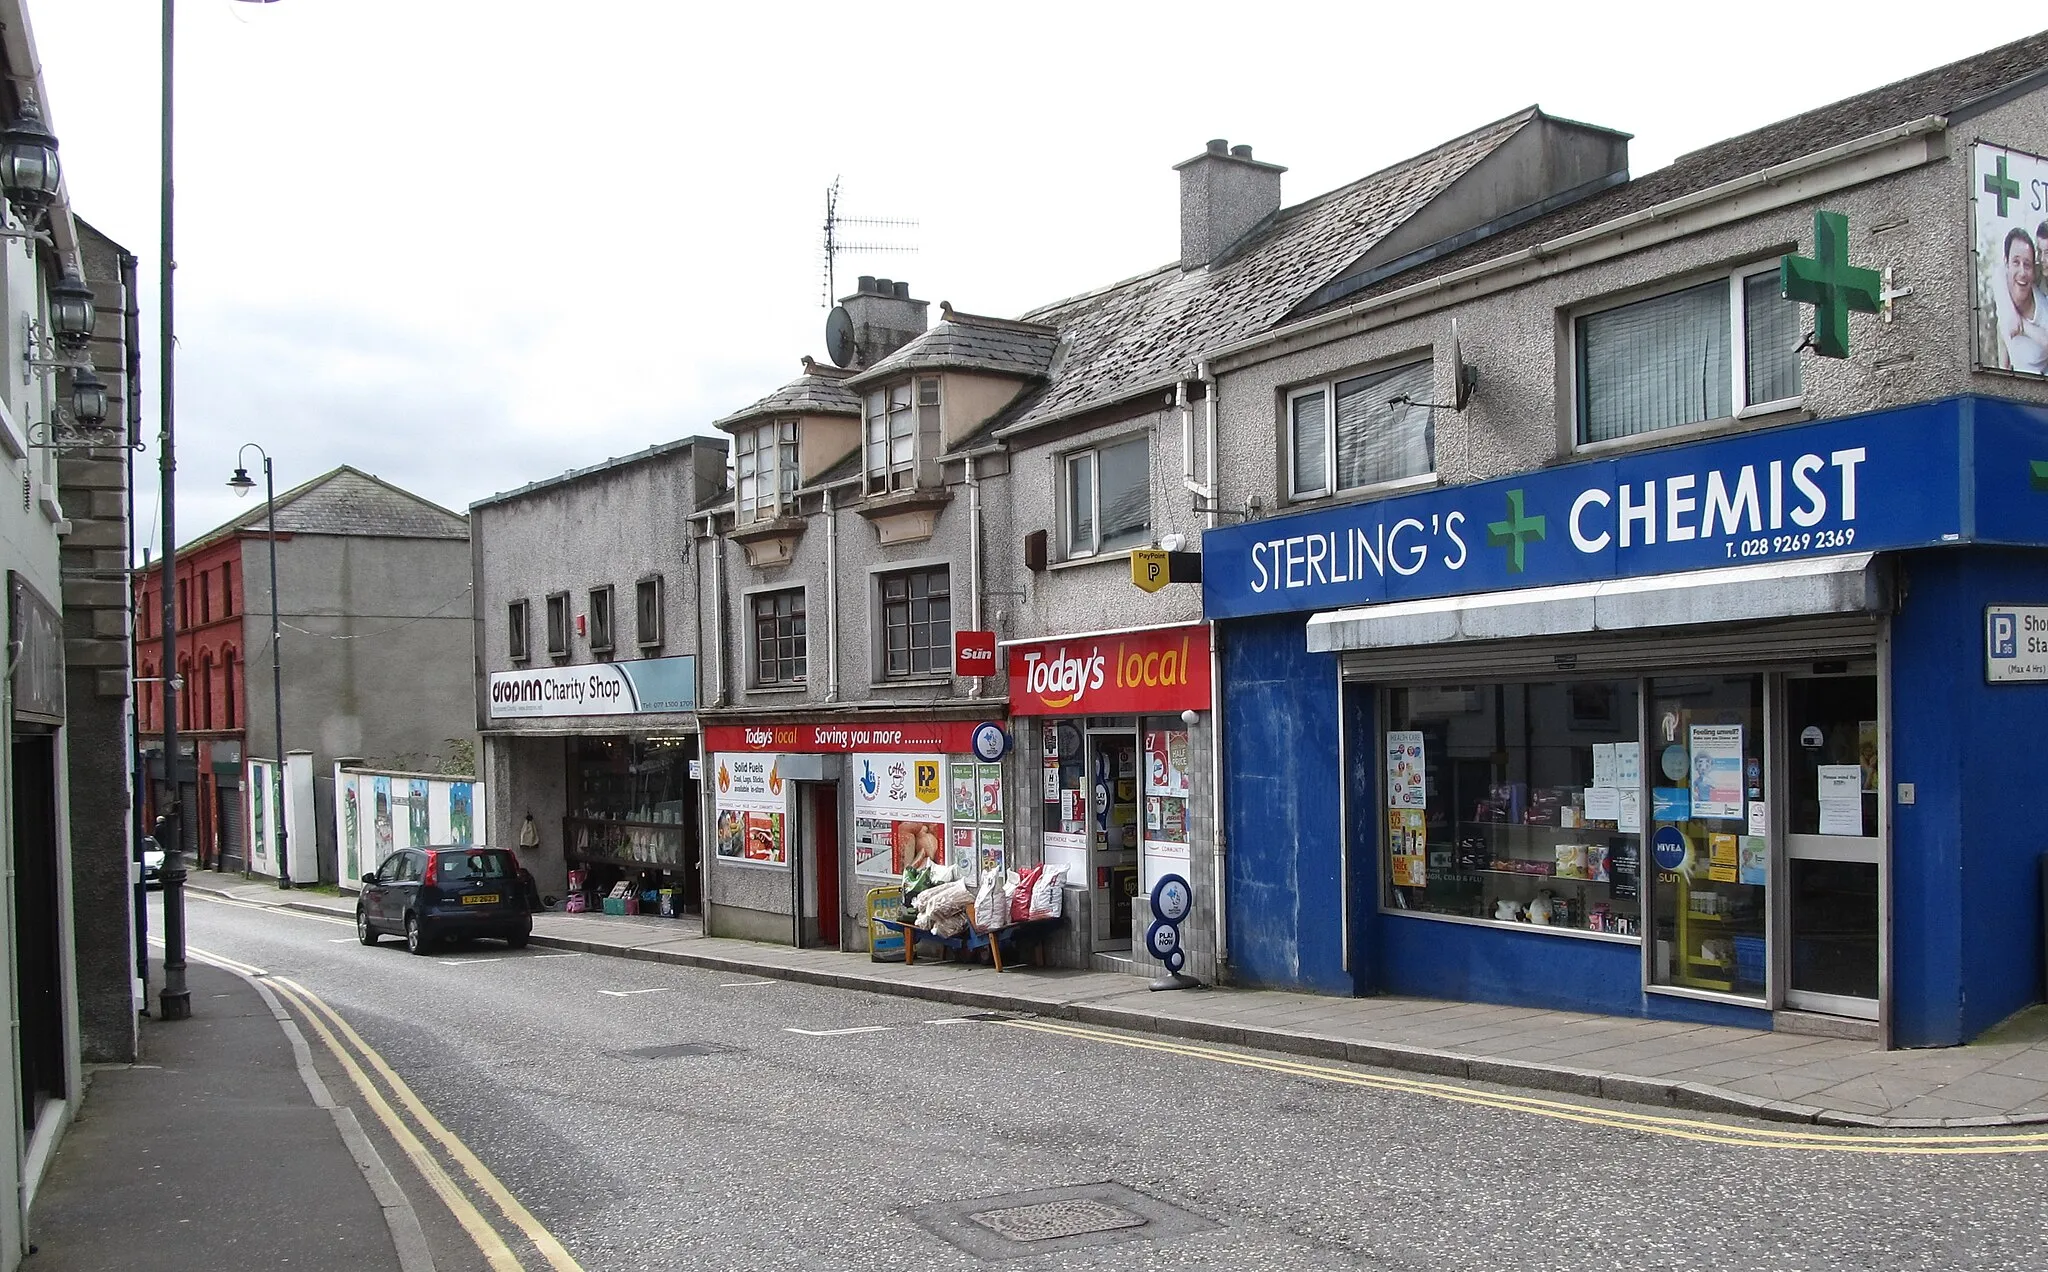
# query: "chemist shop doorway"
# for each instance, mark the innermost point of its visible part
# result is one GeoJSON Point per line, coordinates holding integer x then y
{"type": "Point", "coordinates": [1113, 832]}
{"type": "Point", "coordinates": [1830, 741]}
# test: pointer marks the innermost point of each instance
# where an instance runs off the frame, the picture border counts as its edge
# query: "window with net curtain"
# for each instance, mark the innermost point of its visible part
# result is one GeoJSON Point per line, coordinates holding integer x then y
{"type": "Point", "coordinates": [1362, 432]}
{"type": "Point", "coordinates": [1109, 498]}
{"type": "Point", "coordinates": [1669, 360]}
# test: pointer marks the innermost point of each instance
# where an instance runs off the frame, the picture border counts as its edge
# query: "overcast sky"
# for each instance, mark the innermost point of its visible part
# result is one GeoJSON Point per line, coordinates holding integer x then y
{"type": "Point", "coordinates": [467, 244]}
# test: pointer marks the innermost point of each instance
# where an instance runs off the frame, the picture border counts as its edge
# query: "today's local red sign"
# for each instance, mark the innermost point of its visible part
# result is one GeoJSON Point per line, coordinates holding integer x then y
{"type": "Point", "coordinates": [1166, 670]}
{"type": "Point", "coordinates": [946, 737]}
{"type": "Point", "coordinates": [974, 653]}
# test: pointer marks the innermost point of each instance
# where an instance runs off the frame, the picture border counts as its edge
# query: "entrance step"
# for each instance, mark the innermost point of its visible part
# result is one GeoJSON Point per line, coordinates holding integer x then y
{"type": "Point", "coordinates": [1123, 963]}
{"type": "Point", "coordinates": [1810, 1022]}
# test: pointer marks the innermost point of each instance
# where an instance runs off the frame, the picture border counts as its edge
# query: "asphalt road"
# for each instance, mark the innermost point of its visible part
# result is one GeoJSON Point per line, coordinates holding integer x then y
{"type": "Point", "coordinates": [776, 1148]}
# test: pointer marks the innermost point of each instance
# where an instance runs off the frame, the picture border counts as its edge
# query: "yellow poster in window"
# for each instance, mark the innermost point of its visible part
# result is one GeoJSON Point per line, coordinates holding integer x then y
{"type": "Point", "coordinates": [1721, 851]}
{"type": "Point", "coordinates": [926, 776]}
{"type": "Point", "coordinates": [1405, 840]}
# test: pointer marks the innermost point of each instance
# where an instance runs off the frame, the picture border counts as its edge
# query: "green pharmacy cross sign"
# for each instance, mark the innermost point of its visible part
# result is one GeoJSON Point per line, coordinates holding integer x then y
{"type": "Point", "coordinates": [1830, 284]}
{"type": "Point", "coordinates": [2001, 186]}
{"type": "Point", "coordinates": [1515, 533]}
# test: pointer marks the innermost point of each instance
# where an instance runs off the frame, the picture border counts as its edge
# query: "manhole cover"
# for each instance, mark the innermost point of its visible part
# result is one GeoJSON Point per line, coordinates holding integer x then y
{"type": "Point", "coordinates": [676, 1049]}
{"type": "Point", "coordinates": [1055, 1219]}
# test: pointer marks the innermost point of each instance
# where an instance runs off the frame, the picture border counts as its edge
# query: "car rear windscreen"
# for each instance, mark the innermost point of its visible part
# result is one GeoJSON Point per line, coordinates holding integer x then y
{"type": "Point", "coordinates": [457, 866]}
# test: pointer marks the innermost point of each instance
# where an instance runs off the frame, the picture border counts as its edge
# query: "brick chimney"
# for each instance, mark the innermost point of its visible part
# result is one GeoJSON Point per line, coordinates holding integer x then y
{"type": "Point", "coordinates": [1224, 194]}
{"type": "Point", "coordinates": [885, 318]}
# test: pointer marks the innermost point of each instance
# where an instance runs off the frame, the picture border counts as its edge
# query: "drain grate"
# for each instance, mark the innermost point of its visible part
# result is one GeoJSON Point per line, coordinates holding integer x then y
{"type": "Point", "coordinates": [1052, 1220]}
{"type": "Point", "coordinates": [674, 1050]}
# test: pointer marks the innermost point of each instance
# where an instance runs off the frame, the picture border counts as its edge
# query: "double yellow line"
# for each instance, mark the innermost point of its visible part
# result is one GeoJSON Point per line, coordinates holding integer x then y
{"type": "Point", "coordinates": [1880, 1143]}
{"type": "Point", "coordinates": [347, 1045]}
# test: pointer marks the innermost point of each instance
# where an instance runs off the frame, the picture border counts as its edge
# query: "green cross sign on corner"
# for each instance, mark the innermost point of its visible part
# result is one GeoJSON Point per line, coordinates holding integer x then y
{"type": "Point", "coordinates": [1830, 284]}
{"type": "Point", "coordinates": [2001, 186]}
{"type": "Point", "coordinates": [1515, 532]}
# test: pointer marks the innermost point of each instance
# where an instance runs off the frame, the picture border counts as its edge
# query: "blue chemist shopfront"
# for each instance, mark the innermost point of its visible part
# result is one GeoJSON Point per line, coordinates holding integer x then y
{"type": "Point", "coordinates": [1728, 731]}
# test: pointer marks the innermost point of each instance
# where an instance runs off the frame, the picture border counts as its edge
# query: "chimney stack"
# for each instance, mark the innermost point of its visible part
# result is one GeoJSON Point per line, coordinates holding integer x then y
{"type": "Point", "coordinates": [885, 317]}
{"type": "Point", "coordinates": [1224, 195]}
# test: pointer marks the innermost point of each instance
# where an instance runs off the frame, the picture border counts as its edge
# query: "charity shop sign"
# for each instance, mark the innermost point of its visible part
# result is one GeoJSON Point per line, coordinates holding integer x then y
{"type": "Point", "coordinates": [639, 686]}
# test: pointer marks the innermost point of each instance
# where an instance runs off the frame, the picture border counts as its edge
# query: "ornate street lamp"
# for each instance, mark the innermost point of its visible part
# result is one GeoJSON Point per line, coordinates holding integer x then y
{"type": "Point", "coordinates": [88, 398]}
{"type": "Point", "coordinates": [72, 314]}
{"type": "Point", "coordinates": [29, 171]}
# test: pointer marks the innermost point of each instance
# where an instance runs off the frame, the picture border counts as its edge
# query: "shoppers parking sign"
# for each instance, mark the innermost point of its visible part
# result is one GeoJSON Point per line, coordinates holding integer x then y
{"type": "Point", "coordinates": [2015, 643]}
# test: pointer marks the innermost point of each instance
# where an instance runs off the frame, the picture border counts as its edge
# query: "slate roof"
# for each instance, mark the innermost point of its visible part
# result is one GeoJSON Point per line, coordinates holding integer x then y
{"type": "Point", "coordinates": [971, 342]}
{"type": "Point", "coordinates": [1145, 332]}
{"type": "Point", "coordinates": [346, 501]}
{"type": "Point", "coordinates": [617, 461]}
{"type": "Point", "coordinates": [815, 392]}
{"type": "Point", "coordinates": [1945, 90]}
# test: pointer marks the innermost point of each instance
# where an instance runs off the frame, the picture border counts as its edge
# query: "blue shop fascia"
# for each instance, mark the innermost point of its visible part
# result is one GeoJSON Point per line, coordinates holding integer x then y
{"type": "Point", "coordinates": [1747, 731]}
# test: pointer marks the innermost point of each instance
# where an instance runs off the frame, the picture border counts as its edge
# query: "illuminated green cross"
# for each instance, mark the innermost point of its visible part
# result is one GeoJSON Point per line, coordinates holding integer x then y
{"type": "Point", "coordinates": [1515, 532]}
{"type": "Point", "coordinates": [1830, 284]}
{"type": "Point", "coordinates": [2002, 186]}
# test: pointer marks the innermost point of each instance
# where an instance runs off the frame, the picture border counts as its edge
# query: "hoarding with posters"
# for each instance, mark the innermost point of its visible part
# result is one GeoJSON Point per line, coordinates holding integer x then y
{"type": "Point", "coordinates": [2009, 233]}
{"type": "Point", "coordinates": [751, 801]}
{"type": "Point", "coordinates": [899, 812]}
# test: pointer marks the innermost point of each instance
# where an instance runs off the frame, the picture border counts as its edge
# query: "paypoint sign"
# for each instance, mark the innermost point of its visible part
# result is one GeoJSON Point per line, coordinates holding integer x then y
{"type": "Point", "coordinates": [1123, 673]}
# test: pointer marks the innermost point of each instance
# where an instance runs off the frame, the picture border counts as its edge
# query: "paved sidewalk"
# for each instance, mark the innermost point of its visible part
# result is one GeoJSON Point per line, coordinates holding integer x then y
{"type": "Point", "coordinates": [2002, 1081]}
{"type": "Point", "coordinates": [209, 1155]}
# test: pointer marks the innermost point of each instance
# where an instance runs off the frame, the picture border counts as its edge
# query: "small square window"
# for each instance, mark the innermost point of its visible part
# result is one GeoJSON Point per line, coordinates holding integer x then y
{"type": "Point", "coordinates": [1109, 498]}
{"type": "Point", "coordinates": [781, 638]}
{"type": "Point", "coordinates": [917, 623]}
{"type": "Point", "coordinates": [647, 611]}
{"type": "Point", "coordinates": [515, 631]}
{"type": "Point", "coordinates": [600, 619]}
{"type": "Point", "coordinates": [558, 624]}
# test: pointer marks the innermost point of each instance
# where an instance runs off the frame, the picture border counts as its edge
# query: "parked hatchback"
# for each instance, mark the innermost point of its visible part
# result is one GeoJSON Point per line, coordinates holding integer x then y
{"type": "Point", "coordinates": [430, 895]}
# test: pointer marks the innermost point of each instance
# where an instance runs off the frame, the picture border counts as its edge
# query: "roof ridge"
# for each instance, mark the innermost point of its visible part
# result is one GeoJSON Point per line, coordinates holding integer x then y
{"type": "Point", "coordinates": [1523, 116]}
{"type": "Point", "coordinates": [949, 314]}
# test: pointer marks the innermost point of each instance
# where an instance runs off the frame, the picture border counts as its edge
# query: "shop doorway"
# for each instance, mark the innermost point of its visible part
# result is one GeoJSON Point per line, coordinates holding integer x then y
{"type": "Point", "coordinates": [821, 858]}
{"type": "Point", "coordinates": [38, 954]}
{"type": "Point", "coordinates": [1113, 834]}
{"type": "Point", "coordinates": [1834, 843]}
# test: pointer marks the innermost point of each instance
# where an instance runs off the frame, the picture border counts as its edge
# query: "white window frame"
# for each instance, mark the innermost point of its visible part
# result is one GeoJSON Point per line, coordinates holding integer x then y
{"type": "Point", "coordinates": [649, 633]}
{"type": "Point", "coordinates": [778, 440]}
{"type": "Point", "coordinates": [1071, 549]}
{"type": "Point", "coordinates": [1327, 390]}
{"type": "Point", "coordinates": [1738, 360]}
{"type": "Point", "coordinates": [893, 474]}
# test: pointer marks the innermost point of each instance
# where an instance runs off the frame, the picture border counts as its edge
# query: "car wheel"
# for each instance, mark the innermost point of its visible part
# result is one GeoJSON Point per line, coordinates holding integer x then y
{"type": "Point", "coordinates": [415, 939]}
{"type": "Point", "coordinates": [518, 940]}
{"type": "Point", "coordinates": [364, 932]}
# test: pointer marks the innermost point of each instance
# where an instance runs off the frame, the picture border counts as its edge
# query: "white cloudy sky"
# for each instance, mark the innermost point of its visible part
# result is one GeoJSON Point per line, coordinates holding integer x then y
{"type": "Point", "coordinates": [466, 244]}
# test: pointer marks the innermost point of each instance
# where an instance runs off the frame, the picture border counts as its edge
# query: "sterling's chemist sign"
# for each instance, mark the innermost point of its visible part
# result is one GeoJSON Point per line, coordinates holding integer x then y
{"type": "Point", "coordinates": [1886, 480]}
{"type": "Point", "coordinates": [636, 687]}
{"type": "Point", "coordinates": [1162, 670]}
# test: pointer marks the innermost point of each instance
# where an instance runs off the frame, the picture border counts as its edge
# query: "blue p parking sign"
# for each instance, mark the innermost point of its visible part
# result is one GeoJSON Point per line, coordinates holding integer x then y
{"type": "Point", "coordinates": [2015, 643]}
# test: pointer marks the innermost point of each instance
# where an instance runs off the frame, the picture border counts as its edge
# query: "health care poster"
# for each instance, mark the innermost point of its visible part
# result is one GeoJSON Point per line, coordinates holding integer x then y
{"type": "Point", "coordinates": [1716, 770]}
{"type": "Point", "coordinates": [752, 806]}
{"type": "Point", "coordinates": [1407, 802]}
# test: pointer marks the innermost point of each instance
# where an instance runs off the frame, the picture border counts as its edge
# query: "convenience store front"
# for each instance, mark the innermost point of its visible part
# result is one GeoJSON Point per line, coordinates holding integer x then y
{"type": "Point", "coordinates": [1729, 732]}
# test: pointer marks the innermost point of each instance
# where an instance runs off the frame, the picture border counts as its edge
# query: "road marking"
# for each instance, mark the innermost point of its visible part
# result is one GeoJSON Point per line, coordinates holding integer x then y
{"type": "Point", "coordinates": [468, 962]}
{"type": "Point", "coordinates": [210, 899]}
{"type": "Point", "coordinates": [480, 1174]}
{"type": "Point", "coordinates": [1591, 1115]}
{"type": "Point", "coordinates": [628, 993]}
{"type": "Point", "coordinates": [743, 984]}
{"type": "Point", "coordinates": [220, 960]}
{"type": "Point", "coordinates": [838, 1033]}
{"type": "Point", "coordinates": [339, 940]}
{"type": "Point", "coordinates": [578, 954]}
{"type": "Point", "coordinates": [487, 1240]}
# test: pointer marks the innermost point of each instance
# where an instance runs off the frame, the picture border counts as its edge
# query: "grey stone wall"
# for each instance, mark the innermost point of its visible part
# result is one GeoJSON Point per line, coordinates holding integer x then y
{"type": "Point", "coordinates": [529, 775]}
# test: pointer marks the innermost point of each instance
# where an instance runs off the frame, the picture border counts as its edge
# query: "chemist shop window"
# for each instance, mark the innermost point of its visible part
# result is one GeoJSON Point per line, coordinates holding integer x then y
{"type": "Point", "coordinates": [1364, 431]}
{"type": "Point", "coordinates": [1706, 352]}
{"type": "Point", "coordinates": [1516, 803]}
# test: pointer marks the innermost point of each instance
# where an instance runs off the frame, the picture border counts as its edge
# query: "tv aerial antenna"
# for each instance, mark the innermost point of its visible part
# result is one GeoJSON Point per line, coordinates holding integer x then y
{"type": "Point", "coordinates": [835, 245]}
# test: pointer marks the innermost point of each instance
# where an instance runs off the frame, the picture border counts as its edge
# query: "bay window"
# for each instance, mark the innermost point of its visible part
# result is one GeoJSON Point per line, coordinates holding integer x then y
{"type": "Point", "coordinates": [765, 469]}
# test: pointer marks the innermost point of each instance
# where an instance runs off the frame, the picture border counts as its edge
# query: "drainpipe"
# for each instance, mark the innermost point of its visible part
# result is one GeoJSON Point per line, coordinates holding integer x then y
{"type": "Point", "coordinates": [719, 612]}
{"type": "Point", "coordinates": [1208, 495]}
{"type": "Point", "coordinates": [973, 561]}
{"type": "Point", "coordinates": [831, 597]}
{"type": "Point", "coordinates": [697, 600]}
{"type": "Point", "coordinates": [1203, 494]}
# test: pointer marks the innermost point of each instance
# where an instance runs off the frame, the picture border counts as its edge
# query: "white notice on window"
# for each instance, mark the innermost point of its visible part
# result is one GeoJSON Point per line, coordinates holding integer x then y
{"type": "Point", "coordinates": [1603, 803]}
{"type": "Point", "coordinates": [1628, 765]}
{"type": "Point", "coordinates": [1630, 819]}
{"type": "Point", "coordinates": [1603, 764]}
{"type": "Point", "coordinates": [1841, 799]}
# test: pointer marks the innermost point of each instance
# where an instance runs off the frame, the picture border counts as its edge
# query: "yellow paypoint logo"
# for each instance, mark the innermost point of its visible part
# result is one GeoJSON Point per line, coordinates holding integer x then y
{"type": "Point", "coordinates": [927, 776]}
{"type": "Point", "coordinates": [1149, 568]}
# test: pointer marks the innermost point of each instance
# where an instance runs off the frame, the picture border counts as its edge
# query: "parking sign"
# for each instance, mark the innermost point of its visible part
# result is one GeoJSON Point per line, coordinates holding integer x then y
{"type": "Point", "coordinates": [2015, 643]}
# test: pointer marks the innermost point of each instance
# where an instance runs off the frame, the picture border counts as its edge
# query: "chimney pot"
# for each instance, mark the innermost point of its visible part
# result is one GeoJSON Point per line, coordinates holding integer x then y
{"type": "Point", "coordinates": [867, 283]}
{"type": "Point", "coordinates": [902, 290]}
{"type": "Point", "coordinates": [883, 287]}
{"type": "Point", "coordinates": [1241, 152]}
{"type": "Point", "coordinates": [1218, 145]}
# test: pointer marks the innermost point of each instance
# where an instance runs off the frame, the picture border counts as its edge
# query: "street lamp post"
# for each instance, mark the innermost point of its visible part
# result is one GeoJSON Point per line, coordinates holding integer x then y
{"type": "Point", "coordinates": [241, 483]}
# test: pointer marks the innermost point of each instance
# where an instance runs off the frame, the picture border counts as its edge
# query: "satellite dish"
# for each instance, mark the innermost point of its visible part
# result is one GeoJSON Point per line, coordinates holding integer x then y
{"type": "Point", "coordinates": [1464, 379]}
{"type": "Point", "coordinates": [839, 342]}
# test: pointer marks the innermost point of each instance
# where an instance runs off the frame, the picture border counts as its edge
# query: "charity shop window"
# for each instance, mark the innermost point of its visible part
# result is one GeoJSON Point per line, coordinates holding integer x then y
{"type": "Point", "coordinates": [781, 639]}
{"type": "Point", "coordinates": [647, 611]}
{"type": "Point", "coordinates": [1363, 431]}
{"type": "Point", "coordinates": [515, 631]}
{"type": "Point", "coordinates": [917, 623]}
{"type": "Point", "coordinates": [1707, 352]}
{"type": "Point", "coordinates": [1517, 803]}
{"type": "Point", "coordinates": [765, 469]}
{"type": "Point", "coordinates": [601, 618]}
{"type": "Point", "coordinates": [902, 425]}
{"type": "Point", "coordinates": [558, 624]}
{"type": "Point", "coordinates": [1109, 497]}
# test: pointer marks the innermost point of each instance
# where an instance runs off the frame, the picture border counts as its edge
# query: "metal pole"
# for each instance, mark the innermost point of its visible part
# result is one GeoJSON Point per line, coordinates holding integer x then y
{"type": "Point", "coordinates": [175, 1000]}
{"type": "Point", "coordinates": [284, 857]}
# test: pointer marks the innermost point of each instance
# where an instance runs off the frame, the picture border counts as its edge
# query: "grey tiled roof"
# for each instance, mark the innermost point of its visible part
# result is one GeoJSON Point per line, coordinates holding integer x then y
{"type": "Point", "coordinates": [347, 501]}
{"type": "Point", "coordinates": [1147, 331]}
{"type": "Point", "coordinates": [1945, 90]}
{"type": "Point", "coordinates": [971, 342]}
{"type": "Point", "coordinates": [816, 392]}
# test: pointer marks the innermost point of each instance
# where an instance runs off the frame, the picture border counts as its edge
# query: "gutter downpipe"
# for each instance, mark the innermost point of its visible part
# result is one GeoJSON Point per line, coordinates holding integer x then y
{"type": "Point", "coordinates": [973, 561]}
{"type": "Point", "coordinates": [831, 597]}
{"type": "Point", "coordinates": [724, 696]}
{"type": "Point", "coordinates": [1222, 836]}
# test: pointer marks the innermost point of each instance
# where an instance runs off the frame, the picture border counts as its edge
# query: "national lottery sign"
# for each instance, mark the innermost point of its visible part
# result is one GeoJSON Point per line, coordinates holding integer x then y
{"type": "Point", "coordinates": [638, 687]}
{"type": "Point", "coordinates": [1955, 470]}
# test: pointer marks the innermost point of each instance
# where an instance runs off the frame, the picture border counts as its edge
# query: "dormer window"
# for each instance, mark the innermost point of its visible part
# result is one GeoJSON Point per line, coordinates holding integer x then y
{"type": "Point", "coordinates": [902, 422]}
{"type": "Point", "coordinates": [764, 457]}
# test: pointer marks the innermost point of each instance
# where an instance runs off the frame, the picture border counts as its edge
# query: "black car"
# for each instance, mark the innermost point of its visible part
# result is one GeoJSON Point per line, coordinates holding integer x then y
{"type": "Point", "coordinates": [428, 895]}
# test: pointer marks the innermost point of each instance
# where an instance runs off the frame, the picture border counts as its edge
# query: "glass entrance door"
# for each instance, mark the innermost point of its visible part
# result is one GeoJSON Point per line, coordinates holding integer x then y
{"type": "Point", "coordinates": [1834, 844]}
{"type": "Point", "coordinates": [1113, 833]}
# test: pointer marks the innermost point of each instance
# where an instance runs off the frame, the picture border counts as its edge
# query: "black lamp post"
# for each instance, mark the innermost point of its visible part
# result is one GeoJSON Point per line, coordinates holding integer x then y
{"type": "Point", "coordinates": [241, 483]}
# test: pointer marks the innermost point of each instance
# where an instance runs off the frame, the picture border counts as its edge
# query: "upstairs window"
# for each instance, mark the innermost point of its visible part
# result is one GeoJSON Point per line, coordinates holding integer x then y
{"type": "Point", "coordinates": [917, 623]}
{"type": "Point", "coordinates": [1109, 498]}
{"type": "Point", "coordinates": [205, 597]}
{"type": "Point", "coordinates": [1705, 353]}
{"type": "Point", "coordinates": [765, 469]}
{"type": "Point", "coordinates": [1363, 431]}
{"type": "Point", "coordinates": [600, 619]}
{"type": "Point", "coordinates": [558, 624]}
{"type": "Point", "coordinates": [647, 611]}
{"type": "Point", "coordinates": [781, 638]}
{"type": "Point", "coordinates": [902, 422]}
{"type": "Point", "coordinates": [515, 631]}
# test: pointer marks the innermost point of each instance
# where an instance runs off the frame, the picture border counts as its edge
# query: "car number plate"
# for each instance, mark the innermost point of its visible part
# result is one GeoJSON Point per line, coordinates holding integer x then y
{"type": "Point", "coordinates": [481, 898]}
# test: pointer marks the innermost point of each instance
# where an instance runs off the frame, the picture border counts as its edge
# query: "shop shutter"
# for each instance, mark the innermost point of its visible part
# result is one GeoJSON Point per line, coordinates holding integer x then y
{"type": "Point", "coordinates": [231, 825]}
{"type": "Point", "coordinates": [1749, 644]}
